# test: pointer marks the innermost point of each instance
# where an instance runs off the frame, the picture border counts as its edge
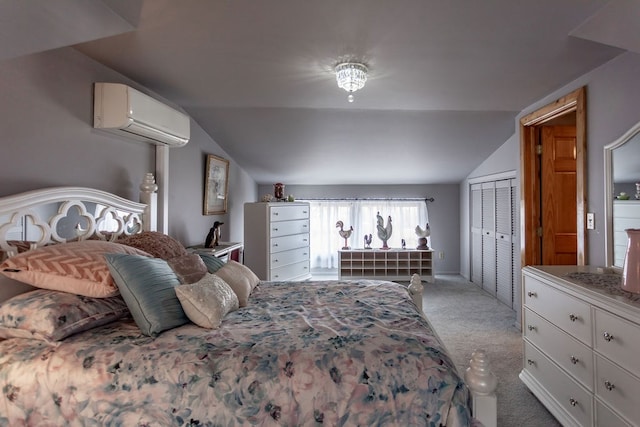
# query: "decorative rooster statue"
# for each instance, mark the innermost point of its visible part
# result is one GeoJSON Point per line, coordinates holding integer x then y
{"type": "Point", "coordinates": [384, 232]}
{"type": "Point", "coordinates": [422, 236]}
{"type": "Point", "coordinates": [367, 241]}
{"type": "Point", "coordinates": [345, 234]}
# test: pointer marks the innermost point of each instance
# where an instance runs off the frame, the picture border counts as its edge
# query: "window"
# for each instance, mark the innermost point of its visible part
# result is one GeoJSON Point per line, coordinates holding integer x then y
{"type": "Point", "coordinates": [361, 215]}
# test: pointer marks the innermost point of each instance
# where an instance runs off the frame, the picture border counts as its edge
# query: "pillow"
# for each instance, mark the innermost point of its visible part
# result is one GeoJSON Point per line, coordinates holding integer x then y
{"type": "Point", "coordinates": [207, 301]}
{"type": "Point", "coordinates": [241, 279]}
{"type": "Point", "coordinates": [53, 315]}
{"type": "Point", "coordinates": [189, 268]}
{"type": "Point", "coordinates": [75, 267]}
{"type": "Point", "coordinates": [159, 245]}
{"type": "Point", "coordinates": [212, 262]}
{"type": "Point", "coordinates": [148, 287]}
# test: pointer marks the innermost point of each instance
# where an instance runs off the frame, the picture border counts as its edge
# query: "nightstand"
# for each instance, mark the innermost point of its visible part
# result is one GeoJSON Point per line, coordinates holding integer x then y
{"type": "Point", "coordinates": [225, 250]}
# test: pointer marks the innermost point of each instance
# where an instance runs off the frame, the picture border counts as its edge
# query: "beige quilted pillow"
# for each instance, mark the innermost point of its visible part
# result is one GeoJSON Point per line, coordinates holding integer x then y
{"type": "Point", "coordinates": [207, 301]}
{"type": "Point", "coordinates": [76, 267]}
{"type": "Point", "coordinates": [241, 279]}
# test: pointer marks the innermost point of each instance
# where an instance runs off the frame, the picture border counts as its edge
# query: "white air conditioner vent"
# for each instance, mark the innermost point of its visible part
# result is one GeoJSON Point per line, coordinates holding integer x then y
{"type": "Point", "coordinates": [124, 110]}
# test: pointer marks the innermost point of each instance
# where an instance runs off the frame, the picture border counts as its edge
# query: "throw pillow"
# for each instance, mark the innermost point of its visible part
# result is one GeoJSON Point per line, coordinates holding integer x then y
{"type": "Point", "coordinates": [241, 279]}
{"type": "Point", "coordinates": [207, 301]}
{"type": "Point", "coordinates": [76, 267]}
{"type": "Point", "coordinates": [148, 287]}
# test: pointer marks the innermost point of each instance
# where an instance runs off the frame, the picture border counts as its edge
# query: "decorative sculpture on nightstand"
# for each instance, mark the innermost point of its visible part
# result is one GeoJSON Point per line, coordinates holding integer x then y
{"type": "Point", "coordinates": [384, 232]}
{"type": "Point", "coordinates": [214, 235]}
{"type": "Point", "coordinates": [345, 234]}
{"type": "Point", "coordinates": [367, 241]}
{"type": "Point", "coordinates": [422, 236]}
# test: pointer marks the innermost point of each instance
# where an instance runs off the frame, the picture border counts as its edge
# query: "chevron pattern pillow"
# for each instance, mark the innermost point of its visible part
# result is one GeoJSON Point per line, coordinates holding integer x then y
{"type": "Point", "coordinates": [76, 267]}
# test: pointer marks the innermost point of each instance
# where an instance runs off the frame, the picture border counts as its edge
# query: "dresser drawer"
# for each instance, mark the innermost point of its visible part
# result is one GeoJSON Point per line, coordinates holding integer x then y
{"type": "Point", "coordinates": [572, 355]}
{"type": "Point", "coordinates": [605, 417]}
{"type": "Point", "coordinates": [293, 256]}
{"type": "Point", "coordinates": [285, 243]}
{"type": "Point", "coordinates": [290, 272]}
{"type": "Point", "coordinates": [286, 213]}
{"type": "Point", "coordinates": [563, 310]}
{"type": "Point", "coordinates": [285, 228]}
{"type": "Point", "coordinates": [574, 399]}
{"type": "Point", "coordinates": [617, 388]}
{"type": "Point", "coordinates": [618, 339]}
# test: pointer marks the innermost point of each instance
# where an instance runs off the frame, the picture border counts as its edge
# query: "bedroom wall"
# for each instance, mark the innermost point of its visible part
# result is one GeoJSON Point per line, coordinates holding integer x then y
{"type": "Point", "coordinates": [47, 139]}
{"type": "Point", "coordinates": [613, 96]}
{"type": "Point", "coordinates": [444, 212]}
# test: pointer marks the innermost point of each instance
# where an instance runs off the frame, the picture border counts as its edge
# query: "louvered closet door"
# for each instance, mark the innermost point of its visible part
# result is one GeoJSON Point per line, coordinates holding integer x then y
{"type": "Point", "coordinates": [504, 245]}
{"type": "Point", "coordinates": [476, 234]}
{"type": "Point", "coordinates": [488, 238]}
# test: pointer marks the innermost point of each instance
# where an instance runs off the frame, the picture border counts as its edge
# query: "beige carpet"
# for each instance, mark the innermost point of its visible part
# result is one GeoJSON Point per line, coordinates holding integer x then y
{"type": "Point", "coordinates": [465, 317]}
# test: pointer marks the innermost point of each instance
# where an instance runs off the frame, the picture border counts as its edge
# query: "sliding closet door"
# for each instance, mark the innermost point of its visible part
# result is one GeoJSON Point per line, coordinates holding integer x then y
{"type": "Point", "coordinates": [488, 237]}
{"type": "Point", "coordinates": [476, 233]}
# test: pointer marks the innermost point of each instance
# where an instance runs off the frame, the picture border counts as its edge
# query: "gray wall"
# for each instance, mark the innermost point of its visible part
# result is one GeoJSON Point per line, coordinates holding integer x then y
{"type": "Point", "coordinates": [444, 212]}
{"type": "Point", "coordinates": [47, 139]}
{"type": "Point", "coordinates": [613, 96]}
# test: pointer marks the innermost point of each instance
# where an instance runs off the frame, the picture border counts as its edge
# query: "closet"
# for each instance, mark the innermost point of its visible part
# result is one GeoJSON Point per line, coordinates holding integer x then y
{"type": "Point", "coordinates": [493, 240]}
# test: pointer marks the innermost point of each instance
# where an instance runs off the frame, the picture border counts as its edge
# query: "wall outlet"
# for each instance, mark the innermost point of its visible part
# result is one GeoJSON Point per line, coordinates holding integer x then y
{"type": "Point", "coordinates": [441, 255]}
{"type": "Point", "coordinates": [591, 221]}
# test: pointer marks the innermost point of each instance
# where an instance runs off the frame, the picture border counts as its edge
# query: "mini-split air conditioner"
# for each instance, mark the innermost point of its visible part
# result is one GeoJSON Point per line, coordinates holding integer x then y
{"type": "Point", "coordinates": [126, 111]}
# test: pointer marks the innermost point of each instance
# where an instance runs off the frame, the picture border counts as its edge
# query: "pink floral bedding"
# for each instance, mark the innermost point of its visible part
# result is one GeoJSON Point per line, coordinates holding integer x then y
{"type": "Point", "coordinates": [300, 354]}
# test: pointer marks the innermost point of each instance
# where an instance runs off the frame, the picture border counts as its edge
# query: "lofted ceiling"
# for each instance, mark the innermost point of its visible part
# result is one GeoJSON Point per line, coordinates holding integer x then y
{"type": "Point", "coordinates": [447, 78]}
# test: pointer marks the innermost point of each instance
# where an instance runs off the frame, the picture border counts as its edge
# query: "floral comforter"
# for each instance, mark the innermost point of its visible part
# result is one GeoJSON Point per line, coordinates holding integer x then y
{"type": "Point", "coordinates": [301, 354]}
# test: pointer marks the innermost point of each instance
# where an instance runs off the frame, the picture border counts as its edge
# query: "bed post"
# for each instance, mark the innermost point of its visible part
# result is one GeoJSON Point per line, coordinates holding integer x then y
{"type": "Point", "coordinates": [415, 290]}
{"type": "Point", "coordinates": [149, 196]}
{"type": "Point", "coordinates": [482, 383]}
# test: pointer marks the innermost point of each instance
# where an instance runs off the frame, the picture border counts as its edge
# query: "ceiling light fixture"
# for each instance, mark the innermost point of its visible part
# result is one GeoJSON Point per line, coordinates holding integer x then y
{"type": "Point", "coordinates": [351, 76]}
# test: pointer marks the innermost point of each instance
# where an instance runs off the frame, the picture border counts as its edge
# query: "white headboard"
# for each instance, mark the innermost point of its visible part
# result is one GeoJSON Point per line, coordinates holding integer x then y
{"type": "Point", "coordinates": [60, 214]}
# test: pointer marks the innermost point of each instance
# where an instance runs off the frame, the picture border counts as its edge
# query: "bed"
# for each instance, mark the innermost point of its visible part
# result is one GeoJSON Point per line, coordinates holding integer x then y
{"type": "Point", "coordinates": [255, 353]}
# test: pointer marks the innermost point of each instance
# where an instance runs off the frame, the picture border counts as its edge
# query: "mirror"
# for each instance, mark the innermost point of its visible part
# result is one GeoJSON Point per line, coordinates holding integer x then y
{"type": "Point", "coordinates": [622, 197]}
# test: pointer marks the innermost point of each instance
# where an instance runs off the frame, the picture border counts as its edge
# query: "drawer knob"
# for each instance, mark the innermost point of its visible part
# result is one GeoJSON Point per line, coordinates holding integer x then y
{"type": "Point", "coordinates": [574, 360]}
{"type": "Point", "coordinates": [275, 229]}
{"type": "Point", "coordinates": [531, 362]}
{"type": "Point", "coordinates": [609, 385]}
{"type": "Point", "coordinates": [275, 245]}
{"type": "Point", "coordinates": [607, 336]}
{"type": "Point", "coordinates": [573, 402]}
{"type": "Point", "coordinates": [275, 260]}
{"type": "Point", "coordinates": [573, 317]}
{"type": "Point", "coordinates": [275, 213]}
{"type": "Point", "coordinates": [531, 328]}
{"type": "Point", "coordinates": [532, 294]}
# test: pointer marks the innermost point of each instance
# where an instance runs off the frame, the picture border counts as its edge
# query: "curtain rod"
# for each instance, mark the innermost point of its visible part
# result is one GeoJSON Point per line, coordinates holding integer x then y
{"type": "Point", "coordinates": [401, 199]}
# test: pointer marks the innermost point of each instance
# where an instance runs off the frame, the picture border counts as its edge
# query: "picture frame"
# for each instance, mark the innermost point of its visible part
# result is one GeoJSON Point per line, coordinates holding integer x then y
{"type": "Point", "coordinates": [216, 185]}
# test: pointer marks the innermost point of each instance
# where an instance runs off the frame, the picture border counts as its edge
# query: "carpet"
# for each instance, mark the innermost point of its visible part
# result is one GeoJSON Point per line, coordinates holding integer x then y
{"type": "Point", "coordinates": [467, 318]}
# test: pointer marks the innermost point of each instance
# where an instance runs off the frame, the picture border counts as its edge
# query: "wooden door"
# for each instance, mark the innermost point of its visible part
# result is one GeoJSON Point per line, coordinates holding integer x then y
{"type": "Point", "coordinates": [558, 195]}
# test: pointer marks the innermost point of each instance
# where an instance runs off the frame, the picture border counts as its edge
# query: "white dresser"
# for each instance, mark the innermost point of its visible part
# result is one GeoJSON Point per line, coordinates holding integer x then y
{"type": "Point", "coordinates": [581, 345]}
{"type": "Point", "coordinates": [276, 240]}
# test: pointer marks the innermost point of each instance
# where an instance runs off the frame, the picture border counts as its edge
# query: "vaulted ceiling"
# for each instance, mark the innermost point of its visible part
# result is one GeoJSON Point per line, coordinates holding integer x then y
{"type": "Point", "coordinates": [447, 78]}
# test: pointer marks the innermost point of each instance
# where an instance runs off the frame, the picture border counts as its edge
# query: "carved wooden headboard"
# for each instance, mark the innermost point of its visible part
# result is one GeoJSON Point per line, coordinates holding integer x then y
{"type": "Point", "coordinates": [61, 214]}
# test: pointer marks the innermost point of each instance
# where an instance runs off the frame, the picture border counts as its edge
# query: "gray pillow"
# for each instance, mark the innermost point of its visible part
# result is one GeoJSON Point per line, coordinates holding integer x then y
{"type": "Point", "coordinates": [212, 262]}
{"type": "Point", "coordinates": [148, 287]}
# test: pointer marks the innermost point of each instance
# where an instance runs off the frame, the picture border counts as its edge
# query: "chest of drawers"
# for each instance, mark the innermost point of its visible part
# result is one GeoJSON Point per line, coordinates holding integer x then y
{"type": "Point", "coordinates": [581, 346]}
{"type": "Point", "coordinates": [276, 240]}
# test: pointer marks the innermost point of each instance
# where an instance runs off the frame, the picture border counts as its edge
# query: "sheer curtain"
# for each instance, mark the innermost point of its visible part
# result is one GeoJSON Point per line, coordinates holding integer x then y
{"type": "Point", "coordinates": [361, 215]}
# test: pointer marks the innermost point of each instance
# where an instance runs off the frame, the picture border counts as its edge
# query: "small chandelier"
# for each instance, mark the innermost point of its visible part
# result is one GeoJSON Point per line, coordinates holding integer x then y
{"type": "Point", "coordinates": [351, 76]}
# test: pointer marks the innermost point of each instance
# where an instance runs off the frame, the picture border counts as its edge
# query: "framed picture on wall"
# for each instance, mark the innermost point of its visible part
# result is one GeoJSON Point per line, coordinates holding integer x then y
{"type": "Point", "coordinates": [216, 185]}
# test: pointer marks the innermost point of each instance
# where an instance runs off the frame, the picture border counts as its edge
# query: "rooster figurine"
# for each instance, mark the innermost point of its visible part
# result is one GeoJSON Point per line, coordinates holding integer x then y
{"type": "Point", "coordinates": [367, 241]}
{"type": "Point", "coordinates": [345, 234]}
{"type": "Point", "coordinates": [384, 232]}
{"type": "Point", "coordinates": [422, 236]}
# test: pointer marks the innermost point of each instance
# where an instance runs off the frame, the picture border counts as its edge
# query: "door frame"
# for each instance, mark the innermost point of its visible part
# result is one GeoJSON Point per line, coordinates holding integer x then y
{"type": "Point", "coordinates": [530, 209]}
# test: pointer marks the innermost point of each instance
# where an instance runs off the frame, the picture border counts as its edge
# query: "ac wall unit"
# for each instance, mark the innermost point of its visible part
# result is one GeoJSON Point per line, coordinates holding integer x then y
{"type": "Point", "coordinates": [124, 110]}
